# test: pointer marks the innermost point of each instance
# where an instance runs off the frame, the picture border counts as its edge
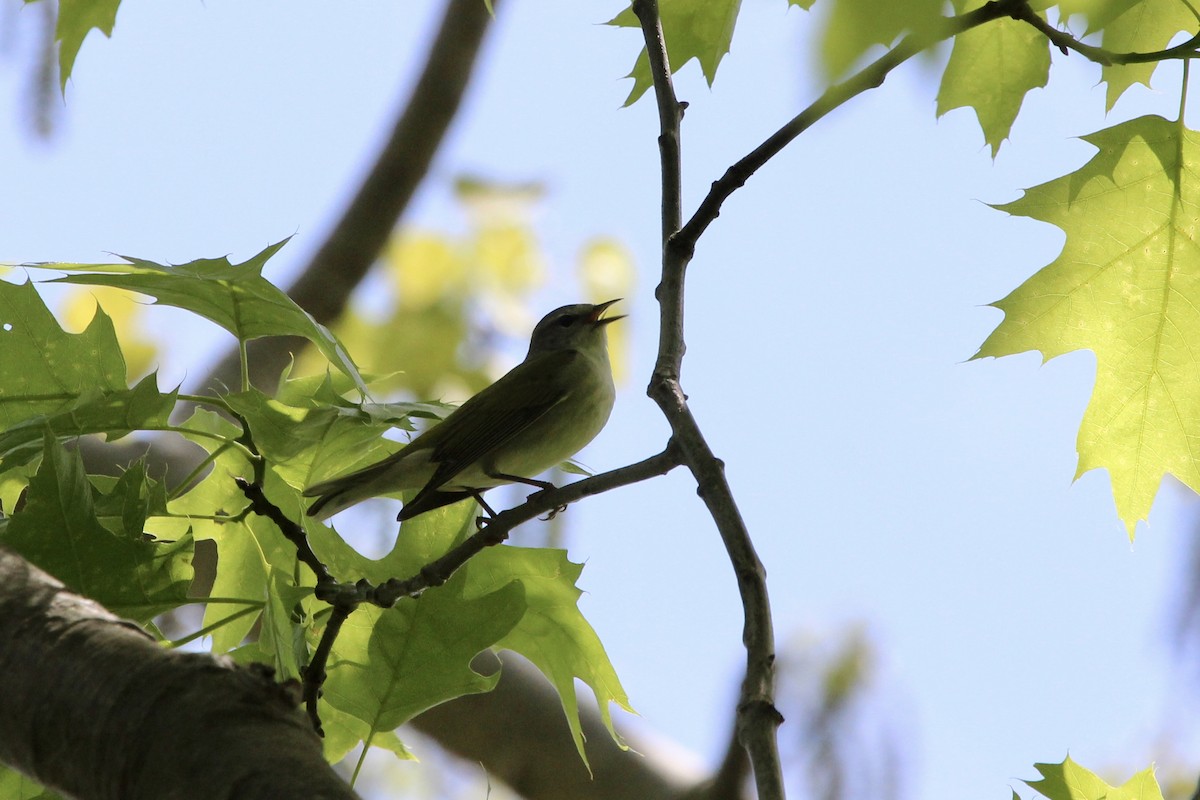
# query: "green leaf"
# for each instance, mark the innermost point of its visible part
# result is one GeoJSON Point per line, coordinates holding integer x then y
{"type": "Point", "coordinates": [235, 296]}
{"type": "Point", "coordinates": [700, 30]}
{"type": "Point", "coordinates": [123, 504]}
{"type": "Point", "coordinates": [388, 665]}
{"type": "Point", "coordinates": [44, 369]}
{"type": "Point", "coordinates": [114, 413]}
{"type": "Point", "coordinates": [15, 786]}
{"type": "Point", "coordinates": [1126, 286]}
{"type": "Point", "coordinates": [76, 19]}
{"type": "Point", "coordinates": [856, 25]}
{"type": "Point", "coordinates": [58, 530]}
{"type": "Point", "coordinates": [1138, 27]}
{"type": "Point", "coordinates": [1069, 781]}
{"type": "Point", "coordinates": [991, 69]}
{"type": "Point", "coordinates": [305, 444]}
{"type": "Point", "coordinates": [248, 547]}
{"type": "Point", "coordinates": [344, 731]}
{"type": "Point", "coordinates": [285, 625]}
{"type": "Point", "coordinates": [552, 633]}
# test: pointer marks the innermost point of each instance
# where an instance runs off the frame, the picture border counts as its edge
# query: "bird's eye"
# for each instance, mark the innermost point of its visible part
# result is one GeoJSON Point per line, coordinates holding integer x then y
{"type": "Point", "coordinates": [566, 321]}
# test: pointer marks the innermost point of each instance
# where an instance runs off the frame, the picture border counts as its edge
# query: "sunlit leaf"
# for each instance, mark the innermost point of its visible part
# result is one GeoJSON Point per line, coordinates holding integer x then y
{"type": "Point", "coordinates": [553, 633]}
{"type": "Point", "coordinates": [1126, 286]}
{"type": "Point", "coordinates": [856, 25]}
{"type": "Point", "coordinates": [58, 530]}
{"type": "Point", "coordinates": [113, 413]}
{"type": "Point", "coordinates": [1069, 781]}
{"type": "Point", "coordinates": [76, 19]}
{"type": "Point", "coordinates": [235, 296]}
{"type": "Point", "coordinates": [44, 369]}
{"type": "Point", "coordinates": [702, 31]}
{"type": "Point", "coordinates": [991, 69]}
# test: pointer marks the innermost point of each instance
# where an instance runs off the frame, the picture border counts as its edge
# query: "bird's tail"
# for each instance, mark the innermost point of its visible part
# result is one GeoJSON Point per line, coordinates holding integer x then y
{"type": "Point", "coordinates": [341, 493]}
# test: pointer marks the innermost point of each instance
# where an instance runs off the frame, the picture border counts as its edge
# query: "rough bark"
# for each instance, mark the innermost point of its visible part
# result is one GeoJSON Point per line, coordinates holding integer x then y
{"type": "Point", "coordinates": [96, 710]}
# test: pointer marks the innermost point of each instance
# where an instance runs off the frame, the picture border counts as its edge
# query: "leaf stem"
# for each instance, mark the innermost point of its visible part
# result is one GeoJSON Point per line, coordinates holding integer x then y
{"type": "Point", "coordinates": [205, 400]}
{"type": "Point", "coordinates": [244, 364]}
{"type": "Point", "coordinates": [871, 76]}
{"type": "Point", "coordinates": [1183, 93]}
{"type": "Point", "coordinates": [184, 486]}
{"type": "Point", "coordinates": [1065, 41]}
{"type": "Point", "coordinates": [757, 717]}
{"type": "Point", "coordinates": [191, 637]}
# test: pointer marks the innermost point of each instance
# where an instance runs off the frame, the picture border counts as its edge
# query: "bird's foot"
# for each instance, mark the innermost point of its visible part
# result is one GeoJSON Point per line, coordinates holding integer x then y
{"type": "Point", "coordinates": [554, 513]}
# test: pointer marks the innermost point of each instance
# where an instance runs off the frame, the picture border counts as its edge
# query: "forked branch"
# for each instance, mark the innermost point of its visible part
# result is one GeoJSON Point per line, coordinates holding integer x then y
{"type": "Point", "coordinates": [757, 717]}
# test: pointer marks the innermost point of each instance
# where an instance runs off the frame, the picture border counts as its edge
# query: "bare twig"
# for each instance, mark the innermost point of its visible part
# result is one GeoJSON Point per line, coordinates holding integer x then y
{"type": "Point", "coordinates": [325, 284]}
{"type": "Point", "coordinates": [757, 717]}
{"type": "Point", "coordinates": [345, 598]}
{"type": "Point", "coordinates": [314, 672]}
{"type": "Point", "coordinates": [1065, 41]}
{"type": "Point", "coordinates": [498, 527]}
{"type": "Point", "coordinates": [870, 77]}
{"type": "Point", "coordinates": [295, 534]}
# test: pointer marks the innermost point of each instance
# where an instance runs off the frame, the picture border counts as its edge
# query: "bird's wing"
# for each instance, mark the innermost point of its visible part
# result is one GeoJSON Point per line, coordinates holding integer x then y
{"type": "Point", "coordinates": [358, 476]}
{"type": "Point", "coordinates": [493, 417]}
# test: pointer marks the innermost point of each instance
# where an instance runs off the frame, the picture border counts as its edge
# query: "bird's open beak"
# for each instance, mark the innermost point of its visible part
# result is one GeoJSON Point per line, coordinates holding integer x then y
{"type": "Point", "coordinates": [595, 317]}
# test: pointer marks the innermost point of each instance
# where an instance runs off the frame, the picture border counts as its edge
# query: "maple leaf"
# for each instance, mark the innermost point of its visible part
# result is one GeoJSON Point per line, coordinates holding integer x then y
{"type": "Point", "coordinates": [699, 30]}
{"type": "Point", "coordinates": [854, 26]}
{"type": "Point", "coordinates": [1069, 781]}
{"type": "Point", "coordinates": [1126, 286]}
{"type": "Point", "coordinates": [1132, 26]}
{"type": "Point", "coordinates": [76, 19]}
{"type": "Point", "coordinates": [991, 69]}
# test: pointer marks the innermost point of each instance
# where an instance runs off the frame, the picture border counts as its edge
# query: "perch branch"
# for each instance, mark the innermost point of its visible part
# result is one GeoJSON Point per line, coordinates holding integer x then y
{"type": "Point", "coordinates": [497, 529]}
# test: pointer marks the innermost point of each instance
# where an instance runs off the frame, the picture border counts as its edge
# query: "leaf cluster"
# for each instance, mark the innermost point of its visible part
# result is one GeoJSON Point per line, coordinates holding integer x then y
{"type": "Point", "coordinates": [129, 541]}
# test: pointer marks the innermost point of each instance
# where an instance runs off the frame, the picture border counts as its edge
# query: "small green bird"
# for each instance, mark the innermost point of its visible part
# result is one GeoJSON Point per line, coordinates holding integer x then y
{"type": "Point", "coordinates": [546, 409]}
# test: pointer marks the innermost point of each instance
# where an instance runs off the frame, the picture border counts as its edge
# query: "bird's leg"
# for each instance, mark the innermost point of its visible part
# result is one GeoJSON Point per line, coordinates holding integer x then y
{"type": "Point", "coordinates": [541, 485]}
{"type": "Point", "coordinates": [481, 521]}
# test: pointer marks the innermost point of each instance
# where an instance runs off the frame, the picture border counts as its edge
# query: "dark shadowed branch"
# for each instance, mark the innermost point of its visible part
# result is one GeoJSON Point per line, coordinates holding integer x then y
{"type": "Point", "coordinates": [324, 286]}
{"type": "Point", "coordinates": [94, 708]}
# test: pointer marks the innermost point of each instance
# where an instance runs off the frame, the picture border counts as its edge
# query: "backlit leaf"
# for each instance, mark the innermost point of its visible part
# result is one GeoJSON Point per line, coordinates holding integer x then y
{"type": "Point", "coordinates": [991, 69]}
{"type": "Point", "coordinates": [699, 30]}
{"type": "Point", "coordinates": [1069, 781]}
{"type": "Point", "coordinates": [1126, 286]}
{"type": "Point", "coordinates": [58, 530]}
{"type": "Point", "coordinates": [235, 296]}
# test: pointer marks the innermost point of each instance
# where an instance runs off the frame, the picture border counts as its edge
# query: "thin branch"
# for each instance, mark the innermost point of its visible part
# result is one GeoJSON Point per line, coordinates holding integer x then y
{"type": "Point", "coordinates": [325, 285]}
{"type": "Point", "coordinates": [757, 717]}
{"type": "Point", "coordinates": [498, 527]}
{"type": "Point", "coordinates": [870, 77]}
{"type": "Point", "coordinates": [345, 598]}
{"type": "Point", "coordinates": [295, 534]}
{"type": "Point", "coordinates": [314, 674]}
{"type": "Point", "coordinates": [1065, 41]}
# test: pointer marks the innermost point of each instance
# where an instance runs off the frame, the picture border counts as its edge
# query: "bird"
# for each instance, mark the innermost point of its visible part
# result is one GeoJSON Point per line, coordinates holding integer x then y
{"type": "Point", "coordinates": [539, 414]}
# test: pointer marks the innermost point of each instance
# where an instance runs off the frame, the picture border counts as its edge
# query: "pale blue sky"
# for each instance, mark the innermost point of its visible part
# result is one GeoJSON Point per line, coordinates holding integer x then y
{"type": "Point", "coordinates": [831, 309]}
